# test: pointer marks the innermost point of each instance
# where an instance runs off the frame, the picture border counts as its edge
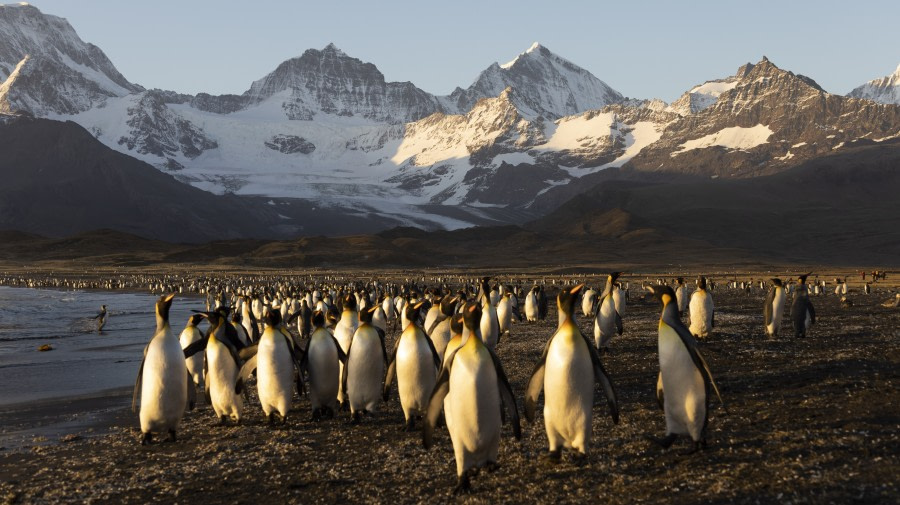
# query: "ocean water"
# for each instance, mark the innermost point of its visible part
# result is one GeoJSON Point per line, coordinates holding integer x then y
{"type": "Point", "coordinates": [83, 362]}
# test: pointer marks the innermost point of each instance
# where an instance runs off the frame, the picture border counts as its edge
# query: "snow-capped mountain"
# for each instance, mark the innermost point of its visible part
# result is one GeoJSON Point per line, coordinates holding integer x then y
{"type": "Point", "coordinates": [546, 83]}
{"type": "Point", "coordinates": [327, 128]}
{"type": "Point", "coordinates": [47, 69]}
{"type": "Point", "coordinates": [883, 90]}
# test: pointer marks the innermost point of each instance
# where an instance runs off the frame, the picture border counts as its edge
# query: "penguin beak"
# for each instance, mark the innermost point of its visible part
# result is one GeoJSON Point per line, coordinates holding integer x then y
{"type": "Point", "coordinates": [577, 289]}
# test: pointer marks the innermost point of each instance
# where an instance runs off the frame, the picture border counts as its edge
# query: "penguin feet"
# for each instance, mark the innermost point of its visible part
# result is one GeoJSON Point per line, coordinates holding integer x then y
{"type": "Point", "coordinates": [492, 466]}
{"type": "Point", "coordinates": [355, 418]}
{"type": "Point", "coordinates": [665, 443]}
{"type": "Point", "coordinates": [222, 421]}
{"type": "Point", "coordinates": [344, 406]}
{"type": "Point", "coordinates": [172, 436]}
{"type": "Point", "coordinates": [146, 438]}
{"type": "Point", "coordinates": [552, 457]}
{"type": "Point", "coordinates": [410, 424]}
{"type": "Point", "coordinates": [463, 483]}
{"type": "Point", "coordinates": [316, 415]}
{"type": "Point", "coordinates": [579, 458]}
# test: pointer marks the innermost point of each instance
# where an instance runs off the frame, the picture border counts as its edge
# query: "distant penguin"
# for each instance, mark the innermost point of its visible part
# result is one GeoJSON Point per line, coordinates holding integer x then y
{"type": "Point", "coordinates": [505, 313]}
{"type": "Point", "coordinates": [490, 323]}
{"type": "Point", "coordinates": [469, 391]}
{"type": "Point", "coordinates": [162, 379]}
{"type": "Point", "coordinates": [588, 302]}
{"type": "Point", "coordinates": [681, 295]}
{"type": "Point", "coordinates": [773, 310]}
{"type": "Point", "coordinates": [531, 305]}
{"type": "Point", "coordinates": [439, 329]}
{"type": "Point", "coordinates": [321, 360]}
{"type": "Point", "coordinates": [684, 383]}
{"type": "Point", "coordinates": [607, 321]}
{"type": "Point", "coordinates": [366, 362]}
{"type": "Point", "coordinates": [189, 335]}
{"type": "Point", "coordinates": [702, 312]}
{"type": "Point", "coordinates": [277, 368]}
{"type": "Point", "coordinates": [542, 303]}
{"type": "Point", "coordinates": [566, 373]}
{"type": "Point", "coordinates": [803, 315]}
{"type": "Point", "coordinates": [101, 318]}
{"type": "Point", "coordinates": [415, 362]}
{"type": "Point", "coordinates": [343, 332]}
{"type": "Point", "coordinates": [456, 331]}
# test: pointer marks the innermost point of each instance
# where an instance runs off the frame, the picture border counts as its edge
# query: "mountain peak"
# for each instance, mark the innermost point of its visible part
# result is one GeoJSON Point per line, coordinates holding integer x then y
{"type": "Point", "coordinates": [883, 90]}
{"type": "Point", "coordinates": [535, 49]}
{"type": "Point", "coordinates": [331, 48]}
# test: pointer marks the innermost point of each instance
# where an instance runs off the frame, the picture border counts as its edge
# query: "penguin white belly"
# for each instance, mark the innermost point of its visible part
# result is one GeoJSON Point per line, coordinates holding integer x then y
{"type": "Point", "coordinates": [777, 312]}
{"type": "Point", "coordinates": [274, 374]}
{"type": "Point", "coordinates": [685, 392]}
{"type": "Point", "coordinates": [701, 310]}
{"type": "Point", "coordinates": [618, 297]}
{"type": "Point", "coordinates": [441, 336]}
{"type": "Point", "coordinates": [222, 374]}
{"type": "Point", "coordinates": [490, 326]}
{"type": "Point", "coordinates": [605, 323]}
{"type": "Point", "coordinates": [163, 385]}
{"type": "Point", "coordinates": [195, 362]}
{"type": "Point", "coordinates": [531, 309]}
{"type": "Point", "coordinates": [343, 332]}
{"type": "Point", "coordinates": [587, 302]}
{"type": "Point", "coordinates": [379, 319]}
{"type": "Point", "coordinates": [473, 402]}
{"type": "Point", "coordinates": [415, 374]}
{"type": "Point", "coordinates": [504, 315]}
{"type": "Point", "coordinates": [366, 369]}
{"type": "Point", "coordinates": [322, 359]}
{"type": "Point", "coordinates": [568, 393]}
{"type": "Point", "coordinates": [433, 313]}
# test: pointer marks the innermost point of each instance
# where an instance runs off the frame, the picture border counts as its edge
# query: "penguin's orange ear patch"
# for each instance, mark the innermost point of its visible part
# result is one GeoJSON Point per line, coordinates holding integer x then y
{"type": "Point", "coordinates": [472, 308]}
{"type": "Point", "coordinates": [576, 289]}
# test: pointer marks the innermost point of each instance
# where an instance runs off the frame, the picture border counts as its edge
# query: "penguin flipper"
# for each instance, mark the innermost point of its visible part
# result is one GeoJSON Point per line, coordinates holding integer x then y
{"type": "Point", "coordinates": [345, 372]}
{"type": "Point", "coordinates": [248, 368]}
{"type": "Point", "coordinates": [506, 395]}
{"type": "Point", "coordinates": [812, 313]}
{"type": "Point", "coordinates": [192, 391]}
{"type": "Point", "coordinates": [536, 383]}
{"type": "Point", "coordinates": [388, 379]}
{"type": "Point", "coordinates": [434, 325]}
{"type": "Point", "coordinates": [383, 348]}
{"type": "Point", "coordinates": [619, 326]}
{"type": "Point", "coordinates": [436, 403]}
{"type": "Point", "coordinates": [601, 377]}
{"type": "Point", "coordinates": [249, 352]}
{"type": "Point", "coordinates": [137, 383]}
{"type": "Point", "coordinates": [434, 354]}
{"type": "Point", "coordinates": [342, 356]}
{"type": "Point", "coordinates": [196, 346]}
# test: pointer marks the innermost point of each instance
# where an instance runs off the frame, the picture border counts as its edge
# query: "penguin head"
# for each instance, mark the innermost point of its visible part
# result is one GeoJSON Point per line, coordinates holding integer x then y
{"type": "Point", "coordinates": [680, 281]}
{"type": "Point", "coordinates": [448, 304]}
{"type": "Point", "coordinates": [777, 282]}
{"type": "Point", "coordinates": [318, 319]}
{"type": "Point", "coordinates": [365, 316]}
{"type": "Point", "coordinates": [162, 309]}
{"type": "Point", "coordinates": [613, 277]}
{"type": "Point", "coordinates": [701, 283]}
{"type": "Point", "coordinates": [566, 299]}
{"type": "Point", "coordinates": [272, 317]}
{"type": "Point", "coordinates": [349, 302]}
{"type": "Point", "coordinates": [663, 293]}
{"type": "Point", "coordinates": [456, 324]}
{"type": "Point", "coordinates": [472, 318]}
{"type": "Point", "coordinates": [195, 319]}
{"type": "Point", "coordinates": [801, 279]}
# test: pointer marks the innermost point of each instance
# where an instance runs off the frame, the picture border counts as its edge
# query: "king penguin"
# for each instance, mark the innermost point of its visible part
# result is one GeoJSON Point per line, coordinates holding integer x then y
{"type": "Point", "coordinates": [277, 368]}
{"type": "Point", "coordinates": [366, 361]}
{"type": "Point", "coordinates": [189, 335]}
{"type": "Point", "coordinates": [469, 391]}
{"type": "Point", "coordinates": [343, 332]}
{"type": "Point", "coordinates": [567, 371]}
{"type": "Point", "coordinates": [321, 360]}
{"type": "Point", "coordinates": [684, 377]}
{"type": "Point", "coordinates": [681, 296]}
{"type": "Point", "coordinates": [774, 308]}
{"type": "Point", "coordinates": [802, 313]}
{"type": "Point", "coordinates": [415, 362]}
{"type": "Point", "coordinates": [607, 320]}
{"type": "Point", "coordinates": [490, 323]}
{"type": "Point", "coordinates": [531, 305]}
{"type": "Point", "coordinates": [456, 330]}
{"type": "Point", "coordinates": [439, 330]}
{"type": "Point", "coordinates": [162, 379]}
{"type": "Point", "coordinates": [702, 312]}
{"type": "Point", "coordinates": [223, 366]}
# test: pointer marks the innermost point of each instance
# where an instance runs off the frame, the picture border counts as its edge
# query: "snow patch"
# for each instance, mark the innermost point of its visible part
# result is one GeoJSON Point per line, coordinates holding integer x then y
{"type": "Point", "coordinates": [513, 159]}
{"type": "Point", "coordinates": [735, 137]}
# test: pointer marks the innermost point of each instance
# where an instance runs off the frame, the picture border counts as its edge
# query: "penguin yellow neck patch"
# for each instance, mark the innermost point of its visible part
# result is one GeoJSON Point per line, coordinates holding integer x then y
{"type": "Point", "coordinates": [666, 298]}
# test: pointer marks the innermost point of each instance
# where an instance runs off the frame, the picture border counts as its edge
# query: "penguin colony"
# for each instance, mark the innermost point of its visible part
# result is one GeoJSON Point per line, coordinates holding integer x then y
{"type": "Point", "coordinates": [328, 341]}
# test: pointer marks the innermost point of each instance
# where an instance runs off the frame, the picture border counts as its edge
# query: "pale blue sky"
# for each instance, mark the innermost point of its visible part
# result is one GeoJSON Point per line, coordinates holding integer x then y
{"type": "Point", "coordinates": [643, 49]}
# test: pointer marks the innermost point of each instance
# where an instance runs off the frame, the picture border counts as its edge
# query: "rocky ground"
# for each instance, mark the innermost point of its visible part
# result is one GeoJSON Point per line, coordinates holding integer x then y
{"type": "Point", "coordinates": [812, 420]}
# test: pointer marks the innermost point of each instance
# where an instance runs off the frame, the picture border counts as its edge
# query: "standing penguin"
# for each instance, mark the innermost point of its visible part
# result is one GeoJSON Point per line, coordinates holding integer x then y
{"type": "Point", "coordinates": [323, 354]}
{"type": "Point", "coordinates": [343, 332]}
{"type": "Point", "coordinates": [223, 366]}
{"type": "Point", "coordinates": [415, 362]}
{"type": "Point", "coordinates": [531, 305]}
{"type": "Point", "coordinates": [684, 377]}
{"type": "Point", "coordinates": [566, 373]}
{"type": "Point", "coordinates": [277, 368]}
{"type": "Point", "coordinates": [469, 391]}
{"type": "Point", "coordinates": [588, 302]}
{"type": "Point", "coordinates": [773, 310]}
{"type": "Point", "coordinates": [439, 330]}
{"type": "Point", "coordinates": [456, 330]}
{"type": "Point", "coordinates": [162, 379]}
{"type": "Point", "coordinates": [702, 312]}
{"type": "Point", "coordinates": [505, 313]}
{"type": "Point", "coordinates": [802, 313]}
{"type": "Point", "coordinates": [681, 296]}
{"type": "Point", "coordinates": [607, 320]}
{"type": "Point", "coordinates": [490, 323]}
{"type": "Point", "coordinates": [366, 361]}
{"type": "Point", "coordinates": [189, 335]}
